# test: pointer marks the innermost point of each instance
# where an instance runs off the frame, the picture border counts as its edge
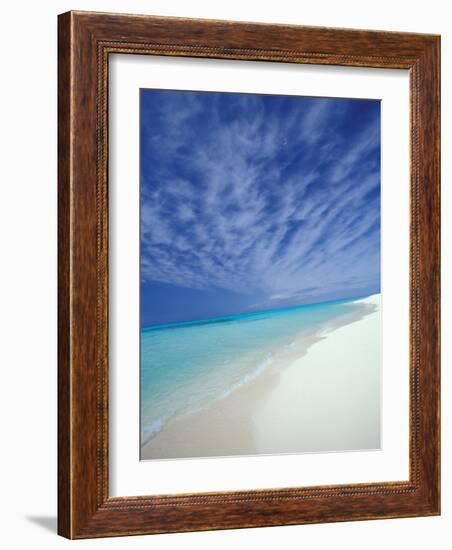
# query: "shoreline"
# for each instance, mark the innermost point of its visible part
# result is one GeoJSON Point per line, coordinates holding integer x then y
{"type": "Point", "coordinates": [276, 412]}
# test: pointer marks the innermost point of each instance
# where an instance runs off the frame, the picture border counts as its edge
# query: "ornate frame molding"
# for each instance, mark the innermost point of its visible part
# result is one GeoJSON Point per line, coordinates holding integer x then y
{"type": "Point", "coordinates": [85, 42]}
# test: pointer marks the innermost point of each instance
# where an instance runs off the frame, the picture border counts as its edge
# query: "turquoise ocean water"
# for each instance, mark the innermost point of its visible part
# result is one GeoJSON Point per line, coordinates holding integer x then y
{"type": "Point", "coordinates": [187, 366]}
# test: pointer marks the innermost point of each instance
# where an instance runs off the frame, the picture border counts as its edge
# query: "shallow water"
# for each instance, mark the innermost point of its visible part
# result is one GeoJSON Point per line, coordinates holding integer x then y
{"type": "Point", "coordinates": [186, 366]}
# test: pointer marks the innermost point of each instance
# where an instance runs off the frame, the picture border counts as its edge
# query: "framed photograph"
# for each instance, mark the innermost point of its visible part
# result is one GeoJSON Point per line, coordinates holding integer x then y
{"type": "Point", "coordinates": [248, 275]}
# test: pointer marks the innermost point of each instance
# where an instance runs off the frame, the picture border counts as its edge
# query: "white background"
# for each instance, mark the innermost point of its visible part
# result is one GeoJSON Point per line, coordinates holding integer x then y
{"type": "Point", "coordinates": [28, 271]}
{"type": "Point", "coordinates": [128, 476]}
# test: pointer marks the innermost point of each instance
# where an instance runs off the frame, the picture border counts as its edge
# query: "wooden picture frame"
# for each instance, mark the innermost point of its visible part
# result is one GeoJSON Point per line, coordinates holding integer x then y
{"type": "Point", "coordinates": [85, 42]}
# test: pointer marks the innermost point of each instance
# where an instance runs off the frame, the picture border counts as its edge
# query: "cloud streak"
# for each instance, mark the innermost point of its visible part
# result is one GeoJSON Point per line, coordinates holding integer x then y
{"type": "Point", "coordinates": [269, 196]}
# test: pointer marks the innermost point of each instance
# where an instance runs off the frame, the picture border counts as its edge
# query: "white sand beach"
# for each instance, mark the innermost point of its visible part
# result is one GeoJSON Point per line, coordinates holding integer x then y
{"type": "Point", "coordinates": [324, 395]}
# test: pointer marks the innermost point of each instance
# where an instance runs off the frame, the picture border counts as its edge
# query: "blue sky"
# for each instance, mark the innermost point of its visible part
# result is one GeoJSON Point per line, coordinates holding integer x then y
{"type": "Point", "coordinates": [253, 202]}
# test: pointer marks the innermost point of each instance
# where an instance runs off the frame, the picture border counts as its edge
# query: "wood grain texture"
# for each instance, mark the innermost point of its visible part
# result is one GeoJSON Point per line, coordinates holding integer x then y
{"type": "Point", "coordinates": [64, 295]}
{"type": "Point", "coordinates": [85, 42]}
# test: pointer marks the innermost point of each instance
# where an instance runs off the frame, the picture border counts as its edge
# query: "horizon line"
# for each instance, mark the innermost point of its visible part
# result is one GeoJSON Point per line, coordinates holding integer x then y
{"type": "Point", "coordinates": [225, 318]}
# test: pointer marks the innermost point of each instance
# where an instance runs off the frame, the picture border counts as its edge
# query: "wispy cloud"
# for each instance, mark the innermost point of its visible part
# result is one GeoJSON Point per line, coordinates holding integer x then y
{"type": "Point", "coordinates": [264, 195]}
